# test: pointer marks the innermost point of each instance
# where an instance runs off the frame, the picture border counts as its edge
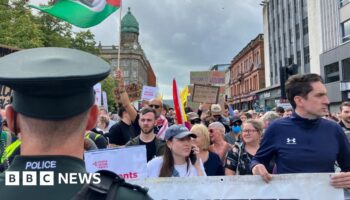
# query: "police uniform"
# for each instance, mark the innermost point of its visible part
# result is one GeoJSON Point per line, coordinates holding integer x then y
{"type": "Point", "coordinates": [56, 84]}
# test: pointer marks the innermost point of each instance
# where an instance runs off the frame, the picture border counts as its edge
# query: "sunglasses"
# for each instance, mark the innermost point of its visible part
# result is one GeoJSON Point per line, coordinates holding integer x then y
{"type": "Point", "coordinates": [154, 106]}
{"type": "Point", "coordinates": [211, 131]}
{"type": "Point", "coordinates": [195, 121]}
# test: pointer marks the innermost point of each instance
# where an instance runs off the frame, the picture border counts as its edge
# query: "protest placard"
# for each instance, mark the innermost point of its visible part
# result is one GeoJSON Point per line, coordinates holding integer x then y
{"type": "Point", "coordinates": [282, 187]}
{"type": "Point", "coordinates": [201, 77]}
{"type": "Point", "coordinates": [205, 94]}
{"type": "Point", "coordinates": [5, 96]}
{"type": "Point", "coordinates": [217, 77]}
{"type": "Point", "coordinates": [128, 162]}
{"type": "Point", "coordinates": [98, 94]}
{"type": "Point", "coordinates": [149, 92]}
{"type": "Point", "coordinates": [134, 91]}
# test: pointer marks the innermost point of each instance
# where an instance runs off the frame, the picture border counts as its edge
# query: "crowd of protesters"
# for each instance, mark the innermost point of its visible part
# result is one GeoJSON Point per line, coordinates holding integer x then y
{"type": "Point", "coordinates": [216, 139]}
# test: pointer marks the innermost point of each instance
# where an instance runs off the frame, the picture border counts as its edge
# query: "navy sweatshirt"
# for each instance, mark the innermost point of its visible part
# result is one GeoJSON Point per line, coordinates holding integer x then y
{"type": "Point", "coordinates": [304, 146]}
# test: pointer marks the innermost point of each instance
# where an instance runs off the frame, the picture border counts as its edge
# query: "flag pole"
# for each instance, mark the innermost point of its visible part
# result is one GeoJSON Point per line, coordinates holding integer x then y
{"type": "Point", "coordinates": [120, 32]}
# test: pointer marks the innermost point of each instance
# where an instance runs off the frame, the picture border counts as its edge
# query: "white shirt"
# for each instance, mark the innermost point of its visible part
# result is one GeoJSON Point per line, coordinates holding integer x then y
{"type": "Point", "coordinates": [154, 166]}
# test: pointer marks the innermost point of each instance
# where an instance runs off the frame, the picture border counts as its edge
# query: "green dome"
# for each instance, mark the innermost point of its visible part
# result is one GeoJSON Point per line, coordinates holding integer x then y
{"type": "Point", "coordinates": [130, 24]}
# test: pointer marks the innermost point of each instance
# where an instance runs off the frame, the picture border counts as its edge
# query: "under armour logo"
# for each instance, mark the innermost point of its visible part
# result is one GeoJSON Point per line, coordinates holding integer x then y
{"type": "Point", "coordinates": [291, 141]}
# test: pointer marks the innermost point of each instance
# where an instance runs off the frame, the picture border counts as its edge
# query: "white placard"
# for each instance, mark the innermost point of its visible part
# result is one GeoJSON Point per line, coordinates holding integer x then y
{"type": "Point", "coordinates": [104, 100]}
{"type": "Point", "coordinates": [282, 187]}
{"type": "Point", "coordinates": [149, 92]}
{"type": "Point", "coordinates": [128, 162]}
{"type": "Point", "coordinates": [98, 93]}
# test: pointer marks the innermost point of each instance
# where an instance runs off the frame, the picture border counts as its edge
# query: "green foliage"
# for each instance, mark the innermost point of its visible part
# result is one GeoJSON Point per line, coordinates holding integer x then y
{"type": "Point", "coordinates": [20, 28]}
{"type": "Point", "coordinates": [108, 86]}
{"type": "Point", "coordinates": [84, 40]}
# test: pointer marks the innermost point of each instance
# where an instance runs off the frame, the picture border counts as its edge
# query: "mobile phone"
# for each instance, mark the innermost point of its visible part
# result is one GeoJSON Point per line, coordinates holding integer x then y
{"type": "Point", "coordinates": [193, 157]}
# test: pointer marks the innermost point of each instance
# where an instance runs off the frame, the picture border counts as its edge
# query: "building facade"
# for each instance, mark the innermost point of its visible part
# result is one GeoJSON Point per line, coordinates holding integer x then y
{"type": "Point", "coordinates": [287, 27]}
{"type": "Point", "coordinates": [247, 75]}
{"type": "Point", "coordinates": [335, 56]}
{"type": "Point", "coordinates": [133, 61]}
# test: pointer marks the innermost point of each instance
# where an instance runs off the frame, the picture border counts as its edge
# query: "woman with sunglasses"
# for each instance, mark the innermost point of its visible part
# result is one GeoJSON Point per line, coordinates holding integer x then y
{"type": "Point", "coordinates": [180, 156]}
{"type": "Point", "coordinates": [212, 162]}
{"type": "Point", "coordinates": [240, 156]}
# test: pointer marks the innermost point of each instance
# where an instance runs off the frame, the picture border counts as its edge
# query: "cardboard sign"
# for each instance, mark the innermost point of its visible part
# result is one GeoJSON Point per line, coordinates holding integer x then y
{"type": "Point", "coordinates": [200, 77]}
{"type": "Point", "coordinates": [207, 77]}
{"type": "Point", "coordinates": [5, 96]}
{"type": "Point", "coordinates": [128, 162]}
{"type": "Point", "coordinates": [205, 94]}
{"type": "Point", "coordinates": [149, 92]}
{"type": "Point", "coordinates": [134, 91]}
{"type": "Point", "coordinates": [217, 77]}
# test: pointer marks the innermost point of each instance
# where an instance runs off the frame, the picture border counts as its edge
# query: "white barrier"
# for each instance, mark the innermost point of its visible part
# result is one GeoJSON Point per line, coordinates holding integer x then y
{"type": "Point", "coordinates": [282, 187]}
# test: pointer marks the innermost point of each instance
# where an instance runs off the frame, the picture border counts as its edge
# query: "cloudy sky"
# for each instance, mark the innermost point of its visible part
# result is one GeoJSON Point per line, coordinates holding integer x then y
{"type": "Point", "coordinates": [179, 36]}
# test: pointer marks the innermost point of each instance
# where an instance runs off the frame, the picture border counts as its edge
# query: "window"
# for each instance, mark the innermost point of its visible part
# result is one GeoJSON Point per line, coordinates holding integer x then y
{"type": "Point", "coordinates": [297, 31]}
{"type": "Point", "coordinates": [346, 69]}
{"type": "Point", "coordinates": [306, 55]}
{"type": "Point", "coordinates": [305, 25]}
{"type": "Point", "coordinates": [331, 72]}
{"type": "Point", "coordinates": [126, 73]}
{"type": "Point", "coordinates": [346, 30]}
{"type": "Point", "coordinates": [298, 58]}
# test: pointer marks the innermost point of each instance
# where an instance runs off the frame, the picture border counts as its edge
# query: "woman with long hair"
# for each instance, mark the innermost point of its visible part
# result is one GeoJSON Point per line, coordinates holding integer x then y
{"type": "Point", "coordinates": [180, 156]}
{"type": "Point", "coordinates": [212, 162]}
{"type": "Point", "coordinates": [239, 157]}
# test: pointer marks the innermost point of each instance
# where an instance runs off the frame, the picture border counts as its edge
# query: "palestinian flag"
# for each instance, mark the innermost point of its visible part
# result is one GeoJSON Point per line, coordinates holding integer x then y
{"type": "Point", "coordinates": [81, 13]}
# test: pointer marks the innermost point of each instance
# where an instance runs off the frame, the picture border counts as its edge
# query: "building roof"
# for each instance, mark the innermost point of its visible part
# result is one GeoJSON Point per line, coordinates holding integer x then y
{"type": "Point", "coordinates": [129, 23]}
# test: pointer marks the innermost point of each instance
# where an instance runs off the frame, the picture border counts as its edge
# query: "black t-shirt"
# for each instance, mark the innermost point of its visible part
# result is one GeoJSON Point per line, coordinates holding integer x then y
{"type": "Point", "coordinates": [150, 148]}
{"type": "Point", "coordinates": [213, 166]}
{"type": "Point", "coordinates": [120, 133]}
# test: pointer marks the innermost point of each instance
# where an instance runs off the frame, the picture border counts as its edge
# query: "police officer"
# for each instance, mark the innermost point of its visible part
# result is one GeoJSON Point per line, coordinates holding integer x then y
{"type": "Point", "coordinates": [52, 107]}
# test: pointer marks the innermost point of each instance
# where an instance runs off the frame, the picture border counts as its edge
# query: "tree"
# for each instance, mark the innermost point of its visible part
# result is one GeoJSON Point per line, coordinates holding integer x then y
{"type": "Point", "coordinates": [84, 40]}
{"type": "Point", "coordinates": [18, 27]}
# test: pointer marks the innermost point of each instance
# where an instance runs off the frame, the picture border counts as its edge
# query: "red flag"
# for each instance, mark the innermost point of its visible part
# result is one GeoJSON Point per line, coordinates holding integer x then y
{"type": "Point", "coordinates": [177, 104]}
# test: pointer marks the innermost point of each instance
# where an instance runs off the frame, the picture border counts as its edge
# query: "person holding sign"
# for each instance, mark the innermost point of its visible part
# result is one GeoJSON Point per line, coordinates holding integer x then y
{"type": "Point", "coordinates": [180, 156]}
{"type": "Point", "coordinates": [156, 104]}
{"type": "Point", "coordinates": [305, 142]}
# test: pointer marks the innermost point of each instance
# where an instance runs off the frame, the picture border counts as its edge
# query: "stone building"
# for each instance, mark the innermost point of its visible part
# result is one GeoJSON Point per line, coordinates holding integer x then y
{"type": "Point", "coordinates": [133, 61]}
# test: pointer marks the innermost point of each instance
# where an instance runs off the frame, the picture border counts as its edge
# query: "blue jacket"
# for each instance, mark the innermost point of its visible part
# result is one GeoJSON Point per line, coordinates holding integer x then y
{"type": "Point", "coordinates": [304, 146]}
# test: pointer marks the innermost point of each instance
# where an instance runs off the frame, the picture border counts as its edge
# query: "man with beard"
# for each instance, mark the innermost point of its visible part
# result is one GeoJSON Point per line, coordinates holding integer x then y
{"type": "Point", "coordinates": [345, 118]}
{"type": "Point", "coordinates": [123, 98]}
{"type": "Point", "coordinates": [154, 145]}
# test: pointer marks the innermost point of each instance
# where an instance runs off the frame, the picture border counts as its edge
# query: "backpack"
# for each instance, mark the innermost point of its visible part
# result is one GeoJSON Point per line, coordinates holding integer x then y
{"type": "Point", "coordinates": [111, 187]}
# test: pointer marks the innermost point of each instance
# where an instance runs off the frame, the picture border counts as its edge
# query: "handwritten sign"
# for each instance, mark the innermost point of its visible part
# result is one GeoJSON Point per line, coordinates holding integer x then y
{"type": "Point", "coordinates": [205, 94]}
{"type": "Point", "coordinates": [5, 96]}
{"type": "Point", "coordinates": [134, 91]}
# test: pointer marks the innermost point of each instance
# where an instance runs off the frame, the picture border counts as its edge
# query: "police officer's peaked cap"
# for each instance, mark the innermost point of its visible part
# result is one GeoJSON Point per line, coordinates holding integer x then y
{"type": "Point", "coordinates": [52, 83]}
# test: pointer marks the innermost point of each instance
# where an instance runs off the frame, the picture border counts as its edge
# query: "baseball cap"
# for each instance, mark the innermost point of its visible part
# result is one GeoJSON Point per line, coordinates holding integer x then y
{"type": "Point", "coordinates": [192, 116]}
{"type": "Point", "coordinates": [215, 109]}
{"type": "Point", "coordinates": [178, 132]}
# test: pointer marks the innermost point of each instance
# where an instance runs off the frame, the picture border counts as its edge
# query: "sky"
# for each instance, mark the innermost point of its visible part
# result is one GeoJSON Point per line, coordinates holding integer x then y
{"type": "Point", "coordinates": [179, 36]}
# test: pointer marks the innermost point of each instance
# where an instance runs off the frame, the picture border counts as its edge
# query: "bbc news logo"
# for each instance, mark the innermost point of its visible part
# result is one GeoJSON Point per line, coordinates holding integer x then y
{"type": "Point", "coordinates": [47, 178]}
